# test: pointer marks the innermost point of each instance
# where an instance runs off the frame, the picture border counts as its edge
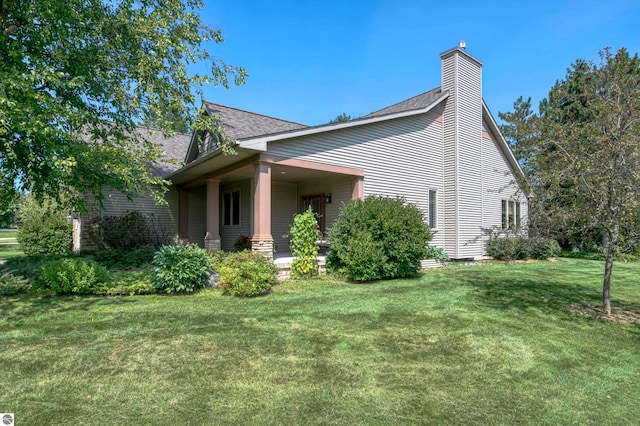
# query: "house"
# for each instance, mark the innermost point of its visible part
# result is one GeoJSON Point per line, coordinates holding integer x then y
{"type": "Point", "coordinates": [441, 150]}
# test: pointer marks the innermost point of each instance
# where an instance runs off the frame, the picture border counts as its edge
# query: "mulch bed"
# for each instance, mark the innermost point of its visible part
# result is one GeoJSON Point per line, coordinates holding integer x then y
{"type": "Point", "coordinates": [623, 315]}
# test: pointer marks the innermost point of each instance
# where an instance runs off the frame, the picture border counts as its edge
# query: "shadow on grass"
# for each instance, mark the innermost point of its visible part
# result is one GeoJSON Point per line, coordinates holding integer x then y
{"type": "Point", "coordinates": [18, 309]}
{"type": "Point", "coordinates": [549, 290]}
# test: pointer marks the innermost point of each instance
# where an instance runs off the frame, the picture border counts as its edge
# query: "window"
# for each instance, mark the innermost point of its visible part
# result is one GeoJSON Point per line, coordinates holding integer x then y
{"type": "Point", "coordinates": [510, 214]}
{"type": "Point", "coordinates": [317, 206]}
{"type": "Point", "coordinates": [433, 209]}
{"type": "Point", "coordinates": [231, 208]}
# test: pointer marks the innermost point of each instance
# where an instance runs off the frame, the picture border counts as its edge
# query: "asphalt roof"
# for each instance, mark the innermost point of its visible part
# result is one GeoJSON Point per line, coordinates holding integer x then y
{"type": "Point", "coordinates": [422, 100]}
{"type": "Point", "coordinates": [175, 149]}
{"type": "Point", "coordinates": [239, 124]}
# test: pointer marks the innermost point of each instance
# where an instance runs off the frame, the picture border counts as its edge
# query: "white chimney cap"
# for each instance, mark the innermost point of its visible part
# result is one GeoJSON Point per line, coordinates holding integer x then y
{"type": "Point", "coordinates": [462, 44]}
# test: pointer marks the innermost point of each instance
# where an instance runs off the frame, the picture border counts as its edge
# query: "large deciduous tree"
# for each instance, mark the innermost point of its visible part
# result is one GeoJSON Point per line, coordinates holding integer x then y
{"type": "Point", "coordinates": [74, 71]}
{"type": "Point", "coordinates": [584, 155]}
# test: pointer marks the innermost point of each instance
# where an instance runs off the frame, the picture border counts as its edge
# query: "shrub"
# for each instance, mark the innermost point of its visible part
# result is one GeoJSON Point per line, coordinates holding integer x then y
{"type": "Point", "coordinates": [181, 268]}
{"type": "Point", "coordinates": [437, 253]}
{"type": "Point", "coordinates": [11, 285]}
{"type": "Point", "coordinates": [518, 248]}
{"type": "Point", "coordinates": [131, 231]}
{"type": "Point", "coordinates": [378, 238]}
{"type": "Point", "coordinates": [128, 283]}
{"type": "Point", "coordinates": [242, 243]}
{"type": "Point", "coordinates": [217, 257]}
{"type": "Point", "coordinates": [123, 259]}
{"type": "Point", "coordinates": [43, 227]}
{"type": "Point", "coordinates": [304, 247]}
{"type": "Point", "coordinates": [247, 274]}
{"type": "Point", "coordinates": [73, 276]}
{"type": "Point", "coordinates": [28, 267]}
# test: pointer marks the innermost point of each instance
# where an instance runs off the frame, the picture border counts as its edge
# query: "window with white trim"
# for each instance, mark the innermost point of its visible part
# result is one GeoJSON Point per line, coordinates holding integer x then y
{"type": "Point", "coordinates": [433, 209]}
{"type": "Point", "coordinates": [231, 208]}
{"type": "Point", "coordinates": [510, 214]}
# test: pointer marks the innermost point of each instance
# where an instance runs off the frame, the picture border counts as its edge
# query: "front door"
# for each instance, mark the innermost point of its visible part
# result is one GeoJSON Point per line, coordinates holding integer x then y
{"type": "Point", "coordinates": [317, 206]}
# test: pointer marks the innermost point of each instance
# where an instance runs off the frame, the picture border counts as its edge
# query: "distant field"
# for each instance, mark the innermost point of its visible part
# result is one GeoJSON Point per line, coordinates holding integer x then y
{"type": "Point", "coordinates": [10, 250]}
{"type": "Point", "coordinates": [8, 233]}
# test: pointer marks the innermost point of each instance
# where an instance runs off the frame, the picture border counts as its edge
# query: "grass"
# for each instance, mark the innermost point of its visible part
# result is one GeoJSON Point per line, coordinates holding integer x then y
{"type": "Point", "coordinates": [488, 344]}
{"type": "Point", "coordinates": [8, 251]}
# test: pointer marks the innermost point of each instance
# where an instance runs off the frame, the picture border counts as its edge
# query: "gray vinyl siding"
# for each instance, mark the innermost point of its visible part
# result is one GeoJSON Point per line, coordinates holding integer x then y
{"type": "Point", "coordinates": [116, 204]}
{"type": "Point", "coordinates": [469, 153]}
{"type": "Point", "coordinates": [340, 189]}
{"type": "Point", "coordinates": [230, 233]}
{"type": "Point", "coordinates": [197, 213]}
{"type": "Point", "coordinates": [499, 185]}
{"type": "Point", "coordinates": [401, 157]}
{"type": "Point", "coordinates": [450, 196]}
{"type": "Point", "coordinates": [284, 206]}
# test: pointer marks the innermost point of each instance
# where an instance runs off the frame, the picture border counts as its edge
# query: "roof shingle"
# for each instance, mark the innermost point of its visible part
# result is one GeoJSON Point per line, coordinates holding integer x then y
{"type": "Point", "coordinates": [239, 124]}
{"type": "Point", "coordinates": [422, 100]}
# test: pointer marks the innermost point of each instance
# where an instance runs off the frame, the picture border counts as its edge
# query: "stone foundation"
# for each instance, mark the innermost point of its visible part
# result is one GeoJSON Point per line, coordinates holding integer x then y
{"type": "Point", "coordinates": [264, 247]}
{"type": "Point", "coordinates": [212, 245]}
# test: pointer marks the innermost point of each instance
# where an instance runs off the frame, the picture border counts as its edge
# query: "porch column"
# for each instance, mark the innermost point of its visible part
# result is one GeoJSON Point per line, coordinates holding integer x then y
{"type": "Point", "coordinates": [262, 241]}
{"type": "Point", "coordinates": [357, 188]}
{"type": "Point", "coordinates": [212, 237]}
{"type": "Point", "coordinates": [183, 216]}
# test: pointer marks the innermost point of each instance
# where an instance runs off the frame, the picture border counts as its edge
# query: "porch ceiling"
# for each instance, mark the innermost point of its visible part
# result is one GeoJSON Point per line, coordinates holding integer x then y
{"type": "Point", "coordinates": [279, 173]}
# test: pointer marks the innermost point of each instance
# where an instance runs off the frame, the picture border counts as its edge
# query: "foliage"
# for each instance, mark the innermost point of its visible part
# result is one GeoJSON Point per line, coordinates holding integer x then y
{"type": "Point", "coordinates": [242, 243]}
{"type": "Point", "coordinates": [341, 118]}
{"type": "Point", "coordinates": [80, 70]}
{"type": "Point", "coordinates": [585, 156]}
{"type": "Point", "coordinates": [437, 253]}
{"type": "Point", "coordinates": [130, 231]}
{"type": "Point", "coordinates": [122, 259]}
{"type": "Point", "coordinates": [378, 238]}
{"type": "Point", "coordinates": [73, 276]}
{"type": "Point", "coordinates": [304, 244]}
{"type": "Point", "coordinates": [519, 248]}
{"type": "Point", "coordinates": [217, 257]}
{"type": "Point", "coordinates": [29, 267]}
{"type": "Point", "coordinates": [247, 274]}
{"type": "Point", "coordinates": [128, 284]}
{"type": "Point", "coordinates": [180, 269]}
{"type": "Point", "coordinates": [44, 227]}
{"type": "Point", "coordinates": [12, 285]}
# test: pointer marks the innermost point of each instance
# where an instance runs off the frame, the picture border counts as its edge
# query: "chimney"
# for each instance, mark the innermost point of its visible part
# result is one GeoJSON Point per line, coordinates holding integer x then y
{"type": "Point", "coordinates": [462, 127]}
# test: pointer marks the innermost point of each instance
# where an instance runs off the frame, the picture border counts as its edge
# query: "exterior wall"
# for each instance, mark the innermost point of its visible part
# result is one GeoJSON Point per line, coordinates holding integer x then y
{"type": "Point", "coordinates": [229, 233]}
{"type": "Point", "coordinates": [340, 189]}
{"type": "Point", "coordinates": [462, 76]}
{"type": "Point", "coordinates": [284, 206]}
{"type": "Point", "coordinates": [401, 157]}
{"type": "Point", "coordinates": [197, 213]}
{"type": "Point", "coordinates": [500, 185]}
{"type": "Point", "coordinates": [116, 204]}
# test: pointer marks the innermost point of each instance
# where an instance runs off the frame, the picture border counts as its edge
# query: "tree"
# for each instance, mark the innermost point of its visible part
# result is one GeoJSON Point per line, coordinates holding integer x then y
{"type": "Point", "coordinates": [586, 162]}
{"type": "Point", "coordinates": [74, 71]}
{"type": "Point", "coordinates": [341, 118]}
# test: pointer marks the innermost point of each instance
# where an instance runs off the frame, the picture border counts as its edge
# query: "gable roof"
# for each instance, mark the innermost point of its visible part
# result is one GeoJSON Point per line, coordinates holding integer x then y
{"type": "Point", "coordinates": [239, 124]}
{"type": "Point", "coordinates": [175, 148]}
{"type": "Point", "coordinates": [420, 101]}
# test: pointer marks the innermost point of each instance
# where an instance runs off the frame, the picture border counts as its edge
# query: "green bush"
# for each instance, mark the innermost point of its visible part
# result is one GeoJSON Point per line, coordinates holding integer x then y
{"type": "Point", "coordinates": [181, 268]}
{"type": "Point", "coordinates": [129, 232]}
{"type": "Point", "coordinates": [122, 259]}
{"type": "Point", "coordinates": [378, 238]}
{"type": "Point", "coordinates": [519, 248]}
{"type": "Point", "coordinates": [304, 245]}
{"type": "Point", "coordinates": [128, 283]}
{"type": "Point", "coordinates": [28, 267]}
{"type": "Point", "coordinates": [437, 253]}
{"type": "Point", "coordinates": [11, 285]}
{"type": "Point", "coordinates": [73, 276]}
{"type": "Point", "coordinates": [247, 274]}
{"type": "Point", "coordinates": [43, 227]}
{"type": "Point", "coordinates": [242, 243]}
{"type": "Point", "coordinates": [217, 257]}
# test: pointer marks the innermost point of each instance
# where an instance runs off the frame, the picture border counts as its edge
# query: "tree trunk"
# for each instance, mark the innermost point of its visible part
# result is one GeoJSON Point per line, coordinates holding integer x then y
{"type": "Point", "coordinates": [608, 268]}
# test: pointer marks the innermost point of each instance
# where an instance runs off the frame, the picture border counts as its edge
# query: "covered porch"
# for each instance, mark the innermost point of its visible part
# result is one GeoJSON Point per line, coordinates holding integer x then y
{"type": "Point", "coordinates": [257, 197]}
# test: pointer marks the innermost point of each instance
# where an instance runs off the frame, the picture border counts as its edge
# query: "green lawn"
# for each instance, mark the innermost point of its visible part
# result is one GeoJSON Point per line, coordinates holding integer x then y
{"type": "Point", "coordinates": [489, 344]}
{"type": "Point", "coordinates": [10, 250]}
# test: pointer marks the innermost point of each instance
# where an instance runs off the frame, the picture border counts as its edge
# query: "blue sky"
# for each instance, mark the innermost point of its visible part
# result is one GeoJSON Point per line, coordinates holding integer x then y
{"type": "Point", "coordinates": [309, 61]}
